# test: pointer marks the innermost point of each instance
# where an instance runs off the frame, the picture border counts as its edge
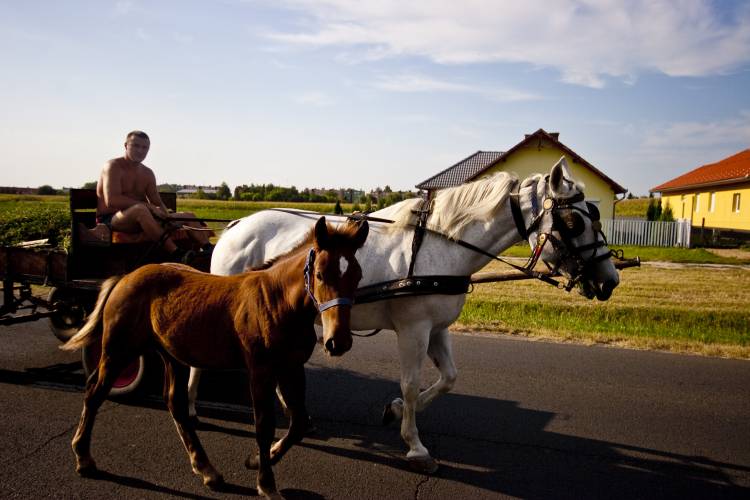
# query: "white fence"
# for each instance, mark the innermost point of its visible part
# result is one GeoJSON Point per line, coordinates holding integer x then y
{"type": "Point", "coordinates": [647, 233]}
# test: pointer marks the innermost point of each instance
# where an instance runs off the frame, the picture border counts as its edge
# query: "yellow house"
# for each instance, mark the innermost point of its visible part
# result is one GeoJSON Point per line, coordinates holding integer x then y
{"type": "Point", "coordinates": [535, 154]}
{"type": "Point", "coordinates": [713, 196]}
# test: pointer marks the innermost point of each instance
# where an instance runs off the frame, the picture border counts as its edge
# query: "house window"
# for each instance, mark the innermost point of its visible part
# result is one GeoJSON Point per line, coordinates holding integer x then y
{"type": "Point", "coordinates": [736, 202]}
{"type": "Point", "coordinates": [697, 203]}
{"type": "Point", "coordinates": [711, 202]}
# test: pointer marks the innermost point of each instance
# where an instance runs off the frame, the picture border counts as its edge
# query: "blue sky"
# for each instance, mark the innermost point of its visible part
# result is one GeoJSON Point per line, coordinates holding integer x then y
{"type": "Point", "coordinates": [341, 93]}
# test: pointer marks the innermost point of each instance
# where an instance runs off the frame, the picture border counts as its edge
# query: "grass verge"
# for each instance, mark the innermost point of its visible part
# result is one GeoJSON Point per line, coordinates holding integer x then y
{"type": "Point", "coordinates": [695, 310]}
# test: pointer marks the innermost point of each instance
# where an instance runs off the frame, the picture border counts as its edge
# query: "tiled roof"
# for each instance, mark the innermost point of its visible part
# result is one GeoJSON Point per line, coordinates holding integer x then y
{"type": "Point", "coordinates": [471, 167]}
{"type": "Point", "coordinates": [462, 171]}
{"type": "Point", "coordinates": [735, 168]}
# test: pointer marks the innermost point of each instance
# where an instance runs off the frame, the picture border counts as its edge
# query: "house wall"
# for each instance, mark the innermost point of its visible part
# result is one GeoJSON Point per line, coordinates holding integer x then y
{"type": "Point", "coordinates": [684, 206]}
{"type": "Point", "coordinates": [532, 159]}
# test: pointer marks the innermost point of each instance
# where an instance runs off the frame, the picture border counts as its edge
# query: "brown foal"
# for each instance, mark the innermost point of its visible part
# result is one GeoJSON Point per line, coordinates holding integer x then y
{"type": "Point", "coordinates": [261, 320]}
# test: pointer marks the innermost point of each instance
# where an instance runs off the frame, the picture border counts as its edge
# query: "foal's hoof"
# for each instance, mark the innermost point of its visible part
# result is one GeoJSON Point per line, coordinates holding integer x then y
{"type": "Point", "coordinates": [86, 468]}
{"type": "Point", "coordinates": [423, 465]}
{"type": "Point", "coordinates": [214, 482]}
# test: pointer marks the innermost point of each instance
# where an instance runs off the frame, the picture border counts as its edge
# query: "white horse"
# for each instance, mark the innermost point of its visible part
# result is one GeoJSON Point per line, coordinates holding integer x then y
{"type": "Point", "coordinates": [480, 213]}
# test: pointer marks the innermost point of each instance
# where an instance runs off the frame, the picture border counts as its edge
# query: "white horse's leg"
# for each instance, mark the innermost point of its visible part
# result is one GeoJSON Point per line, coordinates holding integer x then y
{"type": "Point", "coordinates": [193, 382]}
{"type": "Point", "coordinates": [412, 349]}
{"type": "Point", "coordinates": [441, 354]}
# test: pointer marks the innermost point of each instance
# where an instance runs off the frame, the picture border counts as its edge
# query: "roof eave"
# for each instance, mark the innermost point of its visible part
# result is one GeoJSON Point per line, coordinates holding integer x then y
{"type": "Point", "coordinates": [689, 187]}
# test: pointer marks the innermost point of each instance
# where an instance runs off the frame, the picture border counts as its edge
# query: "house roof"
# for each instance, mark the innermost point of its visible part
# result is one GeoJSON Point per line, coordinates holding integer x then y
{"type": "Point", "coordinates": [466, 169]}
{"type": "Point", "coordinates": [735, 168]}
{"type": "Point", "coordinates": [473, 166]}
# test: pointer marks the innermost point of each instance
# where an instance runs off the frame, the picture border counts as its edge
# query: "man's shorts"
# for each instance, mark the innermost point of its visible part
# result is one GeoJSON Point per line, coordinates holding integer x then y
{"type": "Point", "coordinates": [105, 219]}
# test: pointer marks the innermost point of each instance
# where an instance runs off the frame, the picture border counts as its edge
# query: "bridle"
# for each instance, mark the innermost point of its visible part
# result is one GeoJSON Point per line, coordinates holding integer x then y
{"type": "Point", "coordinates": [563, 215]}
{"type": "Point", "coordinates": [339, 301]}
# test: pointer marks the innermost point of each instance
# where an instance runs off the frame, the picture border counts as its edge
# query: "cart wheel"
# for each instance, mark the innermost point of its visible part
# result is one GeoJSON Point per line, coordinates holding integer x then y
{"type": "Point", "coordinates": [71, 306]}
{"type": "Point", "coordinates": [129, 379]}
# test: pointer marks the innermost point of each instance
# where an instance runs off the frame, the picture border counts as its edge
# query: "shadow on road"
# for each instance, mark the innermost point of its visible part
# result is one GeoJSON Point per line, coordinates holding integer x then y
{"type": "Point", "coordinates": [490, 444]}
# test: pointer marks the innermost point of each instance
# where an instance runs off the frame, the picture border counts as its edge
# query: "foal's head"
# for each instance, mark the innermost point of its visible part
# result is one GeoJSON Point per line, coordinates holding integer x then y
{"type": "Point", "coordinates": [332, 275]}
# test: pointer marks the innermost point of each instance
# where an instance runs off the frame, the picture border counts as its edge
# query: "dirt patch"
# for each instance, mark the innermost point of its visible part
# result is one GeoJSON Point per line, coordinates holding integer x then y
{"type": "Point", "coordinates": [734, 253]}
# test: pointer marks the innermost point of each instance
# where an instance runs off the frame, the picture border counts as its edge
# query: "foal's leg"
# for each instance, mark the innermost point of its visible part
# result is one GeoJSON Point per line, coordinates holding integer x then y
{"type": "Point", "coordinates": [193, 383]}
{"type": "Point", "coordinates": [175, 393]}
{"type": "Point", "coordinates": [292, 388]}
{"type": "Point", "coordinates": [98, 385]}
{"type": "Point", "coordinates": [262, 384]}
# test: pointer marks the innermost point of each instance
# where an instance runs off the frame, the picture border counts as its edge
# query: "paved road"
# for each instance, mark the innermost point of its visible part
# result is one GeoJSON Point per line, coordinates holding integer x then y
{"type": "Point", "coordinates": [526, 419]}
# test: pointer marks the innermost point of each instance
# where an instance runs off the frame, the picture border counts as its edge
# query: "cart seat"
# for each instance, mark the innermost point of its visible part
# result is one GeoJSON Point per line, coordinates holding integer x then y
{"type": "Point", "coordinates": [86, 232]}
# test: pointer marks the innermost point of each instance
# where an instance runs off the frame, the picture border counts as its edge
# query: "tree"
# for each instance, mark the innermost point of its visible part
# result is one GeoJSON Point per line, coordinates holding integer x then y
{"type": "Point", "coordinates": [223, 193]}
{"type": "Point", "coordinates": [666, 215]}
{"type": "Point", "coordinates": [89, 185]}
{"type": "Point", "coordinates": [46, 189]}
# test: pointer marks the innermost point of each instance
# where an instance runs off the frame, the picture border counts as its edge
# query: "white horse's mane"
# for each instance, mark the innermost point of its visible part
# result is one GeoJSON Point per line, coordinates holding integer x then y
{"type": "Point", "coordinates": [454, 208]}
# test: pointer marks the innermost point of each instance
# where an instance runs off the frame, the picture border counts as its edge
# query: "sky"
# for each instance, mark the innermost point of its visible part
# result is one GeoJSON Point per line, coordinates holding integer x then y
{"type": "Point", "coordinates": [361, 94]}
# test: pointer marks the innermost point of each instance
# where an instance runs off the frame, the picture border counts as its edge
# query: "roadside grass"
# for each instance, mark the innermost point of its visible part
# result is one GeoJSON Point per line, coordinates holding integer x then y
{"type": "Point", "coordinates": [691, 309]}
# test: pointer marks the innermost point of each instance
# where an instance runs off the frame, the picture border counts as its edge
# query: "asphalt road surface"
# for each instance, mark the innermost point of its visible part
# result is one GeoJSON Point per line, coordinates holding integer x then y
{"type": "Point", "coordinates": [526, 419]}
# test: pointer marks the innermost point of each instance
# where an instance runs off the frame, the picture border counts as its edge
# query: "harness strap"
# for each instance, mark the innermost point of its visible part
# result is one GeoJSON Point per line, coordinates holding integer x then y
{"type": "Point", "coordinates": [515, 209]}
{"type": "Point", "coordinates": [418, 285]}
{"type": "Point", "coordinates": [419, 229]}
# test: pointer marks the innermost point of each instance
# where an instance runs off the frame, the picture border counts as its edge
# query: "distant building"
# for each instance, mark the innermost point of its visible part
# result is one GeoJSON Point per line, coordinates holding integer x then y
{"type": "Point", "coordinates": [188, 191]}
{"type": "Point", "coordinates": [536, 153]}
{"type": "Point", "coordinates": [17, 190]}
{"type": "Point", "coordinates": [712, 196]}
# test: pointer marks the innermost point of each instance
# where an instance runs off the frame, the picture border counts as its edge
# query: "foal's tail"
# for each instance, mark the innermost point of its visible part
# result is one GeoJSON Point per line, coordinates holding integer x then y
{"type": "Point", "coordinates": [92, 330]}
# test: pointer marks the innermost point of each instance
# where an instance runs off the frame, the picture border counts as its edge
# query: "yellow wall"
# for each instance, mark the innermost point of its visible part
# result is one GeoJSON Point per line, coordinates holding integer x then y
{"type": "Point", "coordinates": [529, 160]}
{"type": "Point", "coordinates": [684, 206]}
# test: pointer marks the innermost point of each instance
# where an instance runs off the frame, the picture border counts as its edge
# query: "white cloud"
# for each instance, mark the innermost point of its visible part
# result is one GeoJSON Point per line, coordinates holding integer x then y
{"type": "Point", "coordinates": [694, 134]}
{"type": "Point", "coordinates": [587, 41]}
{"type": "Point", "coordinates": [411, 82]}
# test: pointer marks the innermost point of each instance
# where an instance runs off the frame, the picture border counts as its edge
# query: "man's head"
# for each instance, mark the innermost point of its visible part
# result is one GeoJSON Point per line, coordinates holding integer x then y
{"type": "Point", "coordinates": [136, 146]}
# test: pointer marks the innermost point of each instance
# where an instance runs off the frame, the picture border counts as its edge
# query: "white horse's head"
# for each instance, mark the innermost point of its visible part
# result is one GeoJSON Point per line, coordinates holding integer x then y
{"type": "Point", "coordinates": [569, 232]}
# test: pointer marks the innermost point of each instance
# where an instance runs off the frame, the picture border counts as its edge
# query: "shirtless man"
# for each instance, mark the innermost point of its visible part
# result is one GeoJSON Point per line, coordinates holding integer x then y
{"type": "Point", "coordinates": [128, 200]}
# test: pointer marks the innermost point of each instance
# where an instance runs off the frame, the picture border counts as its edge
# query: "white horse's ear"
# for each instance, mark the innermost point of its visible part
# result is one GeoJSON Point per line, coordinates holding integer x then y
{"type": "Point", "coordinates": [558, 173]}
{"type": "Point", "coordinates": [321, 234]}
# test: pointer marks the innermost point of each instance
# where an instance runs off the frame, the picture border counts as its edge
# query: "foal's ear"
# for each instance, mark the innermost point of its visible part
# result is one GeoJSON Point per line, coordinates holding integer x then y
{"type": "Point", "coordinates": [321, 234]}
{"type": "Point", "coordinates": [362, 232]}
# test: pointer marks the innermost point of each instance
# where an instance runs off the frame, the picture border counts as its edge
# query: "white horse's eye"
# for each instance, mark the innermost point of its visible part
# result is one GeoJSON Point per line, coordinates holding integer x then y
{"type": "Point", "coordinates": [343, 265]}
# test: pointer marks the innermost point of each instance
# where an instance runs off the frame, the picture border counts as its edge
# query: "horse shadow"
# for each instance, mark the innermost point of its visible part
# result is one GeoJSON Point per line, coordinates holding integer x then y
{"type": "Point", "coordinates": [490, 444]}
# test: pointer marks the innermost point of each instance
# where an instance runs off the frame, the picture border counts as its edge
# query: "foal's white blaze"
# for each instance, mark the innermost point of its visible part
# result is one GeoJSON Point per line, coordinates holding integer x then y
{"type": "Point", "coordinates": [343, 265]}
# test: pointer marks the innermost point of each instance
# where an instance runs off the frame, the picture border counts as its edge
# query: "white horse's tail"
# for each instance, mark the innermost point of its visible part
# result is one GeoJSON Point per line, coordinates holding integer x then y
{"type": "Point", "coordinates": [92, 330]}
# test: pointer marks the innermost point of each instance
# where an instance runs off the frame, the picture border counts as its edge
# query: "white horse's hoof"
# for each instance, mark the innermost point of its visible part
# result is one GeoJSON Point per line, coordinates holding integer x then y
{"type": "Point", "coordinates": [423, 465]}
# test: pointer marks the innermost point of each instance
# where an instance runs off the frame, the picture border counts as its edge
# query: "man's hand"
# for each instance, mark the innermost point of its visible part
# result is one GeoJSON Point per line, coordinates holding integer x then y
{"type": "Point", "coordinates": [158, 212]}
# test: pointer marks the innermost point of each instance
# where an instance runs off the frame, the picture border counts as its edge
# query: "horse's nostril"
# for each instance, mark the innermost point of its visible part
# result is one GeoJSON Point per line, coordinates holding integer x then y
{"type": "Point", "coordinates": [606, 290]}
{"type": "Point", "coordinates": [330, 345]}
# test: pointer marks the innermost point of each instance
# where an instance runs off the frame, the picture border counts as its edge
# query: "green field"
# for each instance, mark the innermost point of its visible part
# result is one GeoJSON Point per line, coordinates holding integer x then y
{"type": "Point", "coordinates": [684, 308]}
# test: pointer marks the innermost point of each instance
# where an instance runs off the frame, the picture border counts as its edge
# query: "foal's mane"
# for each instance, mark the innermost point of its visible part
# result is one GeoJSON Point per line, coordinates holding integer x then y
{"type": "Point", "coordinates": [337, 236]}
{"type": "Point", "coordinates": [454, 208]}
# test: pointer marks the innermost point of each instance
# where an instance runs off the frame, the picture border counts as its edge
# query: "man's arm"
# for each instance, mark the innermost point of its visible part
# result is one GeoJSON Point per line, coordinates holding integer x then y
{"type": "Point", "coordinates": [152, 193]}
